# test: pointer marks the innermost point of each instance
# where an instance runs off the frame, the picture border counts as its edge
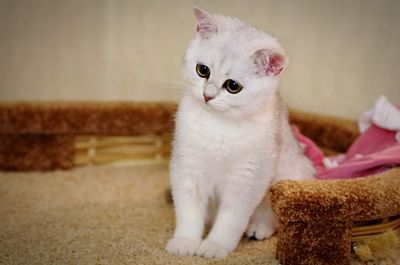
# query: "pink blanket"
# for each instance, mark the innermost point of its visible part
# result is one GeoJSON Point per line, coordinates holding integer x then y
{"type": "Point", "coordinates": [374, 151]}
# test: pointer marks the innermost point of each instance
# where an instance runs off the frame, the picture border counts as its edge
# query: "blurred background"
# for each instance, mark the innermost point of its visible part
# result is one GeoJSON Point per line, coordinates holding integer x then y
{"type": "Point", "coordinates": [343, 53]}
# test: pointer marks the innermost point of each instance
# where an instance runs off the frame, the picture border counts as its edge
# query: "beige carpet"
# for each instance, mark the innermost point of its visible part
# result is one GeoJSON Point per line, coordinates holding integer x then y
{"type": "Point", "coordinates": [97, 215]}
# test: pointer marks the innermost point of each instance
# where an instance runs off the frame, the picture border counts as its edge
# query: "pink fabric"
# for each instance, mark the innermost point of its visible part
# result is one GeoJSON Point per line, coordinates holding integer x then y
{"type": "Point", "coordinates": [374, 151]}
{"type": "Point", "coordinates": [310, 149]}
{"type": "Point", "coordinates": [374, 139]}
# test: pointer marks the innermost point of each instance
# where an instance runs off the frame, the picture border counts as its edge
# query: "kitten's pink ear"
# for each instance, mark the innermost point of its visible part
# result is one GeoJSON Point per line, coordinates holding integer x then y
{"type": "Point", "coordinates": [270, 63]}
{"type": "Point", "coordinates": [206, 26]}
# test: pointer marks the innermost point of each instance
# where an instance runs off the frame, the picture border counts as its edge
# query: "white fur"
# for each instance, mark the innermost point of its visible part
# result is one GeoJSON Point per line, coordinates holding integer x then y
{"type": "Point", "coordinates": [229, 151]}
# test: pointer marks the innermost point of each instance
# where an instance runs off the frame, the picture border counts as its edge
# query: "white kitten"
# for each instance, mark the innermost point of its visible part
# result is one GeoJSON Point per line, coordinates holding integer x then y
{"type": "Point", "coordinates": [232, 138]}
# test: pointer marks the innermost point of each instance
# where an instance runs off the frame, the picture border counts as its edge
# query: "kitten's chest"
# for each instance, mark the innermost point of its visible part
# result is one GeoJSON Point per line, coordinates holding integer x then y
{"type": "Point", "coordinates": [215, 140]}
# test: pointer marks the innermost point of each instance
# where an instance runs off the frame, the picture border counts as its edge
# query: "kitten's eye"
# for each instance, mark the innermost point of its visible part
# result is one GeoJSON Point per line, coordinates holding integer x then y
{"type": "Point", "coordinates": [203, 71]}
{"type": "Point", "coordinates": [232, 86]}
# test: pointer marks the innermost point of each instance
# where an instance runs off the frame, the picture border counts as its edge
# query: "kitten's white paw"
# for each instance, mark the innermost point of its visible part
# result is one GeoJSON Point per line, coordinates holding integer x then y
{"type": "Point", "coordinates": [209, 250]}
{"type": "Point", "coordinates": [182, 246]}
{"type": "Point", "coordinates": [259, 229]}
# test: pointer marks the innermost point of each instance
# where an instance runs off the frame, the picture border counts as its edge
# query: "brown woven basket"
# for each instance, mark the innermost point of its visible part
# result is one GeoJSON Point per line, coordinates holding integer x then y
{"type": "Point", "coordinates": [98, 150]}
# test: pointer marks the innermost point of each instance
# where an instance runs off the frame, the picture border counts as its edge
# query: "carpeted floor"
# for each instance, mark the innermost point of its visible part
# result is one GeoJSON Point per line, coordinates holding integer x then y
{"type": "Point", "coordinates": [97, 215]}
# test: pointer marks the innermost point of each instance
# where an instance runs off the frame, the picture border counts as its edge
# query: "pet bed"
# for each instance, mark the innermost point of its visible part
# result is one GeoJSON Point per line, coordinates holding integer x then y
{"type": "Point", "coordinates": [320, 220]}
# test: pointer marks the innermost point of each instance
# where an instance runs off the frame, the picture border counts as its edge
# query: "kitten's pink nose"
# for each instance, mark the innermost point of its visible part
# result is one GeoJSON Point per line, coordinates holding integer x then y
{"type": "Point", "coordinates": [207, 98]}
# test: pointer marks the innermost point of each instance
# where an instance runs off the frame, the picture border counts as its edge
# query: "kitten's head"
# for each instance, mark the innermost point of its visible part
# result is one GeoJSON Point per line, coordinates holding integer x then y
{"type": "Point", "coordinates": [232, 66]}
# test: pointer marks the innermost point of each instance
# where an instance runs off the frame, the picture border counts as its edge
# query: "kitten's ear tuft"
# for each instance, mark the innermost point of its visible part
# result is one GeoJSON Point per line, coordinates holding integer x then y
{"type": "Point", "coordinates": [206, 26]}
{"type": "Point", "coordinates": [269, 62]}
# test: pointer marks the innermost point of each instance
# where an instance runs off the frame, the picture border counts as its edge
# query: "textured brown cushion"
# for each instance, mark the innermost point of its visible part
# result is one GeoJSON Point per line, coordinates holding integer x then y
{"type": "Point", "coordinates": [110, 118]}
{"type": "Point", "coordinates": [316, 216]}
{"type": "Point", "coordinates": [358, 199]}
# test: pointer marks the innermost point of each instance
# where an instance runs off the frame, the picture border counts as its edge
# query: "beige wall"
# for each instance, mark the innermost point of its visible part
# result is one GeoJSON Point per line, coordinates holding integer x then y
{"type": "Point", "coordinates": [344, 53]}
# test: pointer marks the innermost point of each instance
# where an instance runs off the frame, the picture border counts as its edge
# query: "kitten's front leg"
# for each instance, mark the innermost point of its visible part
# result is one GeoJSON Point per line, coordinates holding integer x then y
{"type": "Point", "coordinates": [237, 205]}
{"type": "Point", "coordinates": [190, 212]}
